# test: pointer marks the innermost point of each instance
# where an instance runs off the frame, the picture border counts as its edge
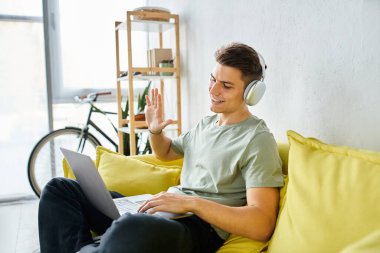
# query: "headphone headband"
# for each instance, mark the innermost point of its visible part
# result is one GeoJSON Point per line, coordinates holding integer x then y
{"type": "Point", "coordinates": [263, 65]}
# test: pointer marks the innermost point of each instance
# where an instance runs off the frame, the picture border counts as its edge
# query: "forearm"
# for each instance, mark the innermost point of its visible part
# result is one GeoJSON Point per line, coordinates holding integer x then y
{"type": "Point", "coordinates": [248, 221]}
{"type": "Point", "coordinates": [160, 145]}
{"type": "Point", "coordinates": [255, 221]}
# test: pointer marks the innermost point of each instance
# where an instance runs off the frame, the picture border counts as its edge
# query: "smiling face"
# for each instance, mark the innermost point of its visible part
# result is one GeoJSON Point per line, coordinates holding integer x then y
{"type": "Point", "coordinates": [226, 90]}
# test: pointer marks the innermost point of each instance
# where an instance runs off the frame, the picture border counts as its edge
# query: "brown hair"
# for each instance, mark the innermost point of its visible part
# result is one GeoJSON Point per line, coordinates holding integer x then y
{"type": "Point", "coordinates": [242, 57]}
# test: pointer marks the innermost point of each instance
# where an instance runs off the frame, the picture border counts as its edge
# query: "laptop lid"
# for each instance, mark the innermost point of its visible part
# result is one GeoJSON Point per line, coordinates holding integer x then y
{"type": "Point", "coordinates": [91, 183]}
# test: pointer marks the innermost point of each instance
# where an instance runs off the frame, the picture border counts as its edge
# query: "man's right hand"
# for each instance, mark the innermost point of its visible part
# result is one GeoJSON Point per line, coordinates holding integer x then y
{"type": "Point", "coordinates": [153, 113]}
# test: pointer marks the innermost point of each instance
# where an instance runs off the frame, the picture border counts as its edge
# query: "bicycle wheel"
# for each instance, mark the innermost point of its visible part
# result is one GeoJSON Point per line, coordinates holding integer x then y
{"type": "Point", "coordinates": [45, 161]}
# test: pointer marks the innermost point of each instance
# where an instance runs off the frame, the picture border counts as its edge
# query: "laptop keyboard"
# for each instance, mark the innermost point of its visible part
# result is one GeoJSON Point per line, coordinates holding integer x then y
{"type": "Point", "coordinates": [126, 206]}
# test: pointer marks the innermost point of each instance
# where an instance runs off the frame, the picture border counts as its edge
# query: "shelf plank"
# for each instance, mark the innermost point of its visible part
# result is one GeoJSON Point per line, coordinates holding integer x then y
{"type": "Point", "coordinates": [139, 123]}
{"type": "Point", "coordinates": [147, 26]}
{"type": "Point", "coordinates": [147, 78]}
{"type": "Point", "coordinates": [153, 69]}
{"type": "Point", "coordinates": [151, 15]}
{"type": "Point", "coordinates": [145, 130]}
{"type": "Point", "coordinates": [137, 130]}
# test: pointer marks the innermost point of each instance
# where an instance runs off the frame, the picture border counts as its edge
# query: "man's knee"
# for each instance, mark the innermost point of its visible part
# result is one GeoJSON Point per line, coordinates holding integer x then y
{"type": "Point", "coordinates": [144, 233]}
{"type": "Point", "coordinates": [57, 183]}
{"type": "Point", "coordinates": [59, 188]}
{"type": "Point", "coordinates": [134, 225]}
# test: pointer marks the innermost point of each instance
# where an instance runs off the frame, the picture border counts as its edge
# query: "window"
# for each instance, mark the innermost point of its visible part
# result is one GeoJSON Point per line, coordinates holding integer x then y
{"type": "Point", "coordinates": [87, 45]}
{"type": "Point", "coordinates": [23, 99]}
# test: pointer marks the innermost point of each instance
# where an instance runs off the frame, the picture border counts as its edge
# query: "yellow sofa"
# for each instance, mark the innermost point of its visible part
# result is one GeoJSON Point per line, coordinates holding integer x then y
{"type": "Point", "coordinates": [330, 203]}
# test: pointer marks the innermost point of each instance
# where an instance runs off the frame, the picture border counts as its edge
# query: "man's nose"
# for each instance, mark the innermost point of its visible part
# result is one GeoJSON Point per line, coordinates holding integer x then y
{"type": "Point", "coordinates": [215, 88]}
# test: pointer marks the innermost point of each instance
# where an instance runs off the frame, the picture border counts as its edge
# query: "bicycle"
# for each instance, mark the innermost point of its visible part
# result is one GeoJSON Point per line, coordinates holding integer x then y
{"type": "Point", "coordinates": [45, 161]}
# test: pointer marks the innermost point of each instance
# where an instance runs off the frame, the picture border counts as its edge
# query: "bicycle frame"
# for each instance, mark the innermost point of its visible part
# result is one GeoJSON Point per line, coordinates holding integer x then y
{"type": "Point", "coordinates": [89, 122]}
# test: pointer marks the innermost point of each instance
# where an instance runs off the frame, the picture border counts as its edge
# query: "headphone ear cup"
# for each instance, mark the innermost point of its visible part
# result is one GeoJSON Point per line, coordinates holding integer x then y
{"type": "Point", "coordinates": [254, 92]}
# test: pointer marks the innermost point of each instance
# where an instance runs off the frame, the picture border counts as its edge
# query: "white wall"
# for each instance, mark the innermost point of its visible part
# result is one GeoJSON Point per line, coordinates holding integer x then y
{"type": "Point", "coordinates": [323, 58]}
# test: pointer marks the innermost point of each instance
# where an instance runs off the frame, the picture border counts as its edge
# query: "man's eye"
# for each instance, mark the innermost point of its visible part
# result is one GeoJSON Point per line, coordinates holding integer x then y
{"type": "Point", "coordinates": [226, 86]}
{"type": "Point", "coordinates": [212, 80]}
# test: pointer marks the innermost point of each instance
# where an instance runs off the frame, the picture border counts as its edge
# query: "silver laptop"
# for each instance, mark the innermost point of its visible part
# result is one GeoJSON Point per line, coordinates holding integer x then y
{"type": "Point", "coordinates": [95, 190]}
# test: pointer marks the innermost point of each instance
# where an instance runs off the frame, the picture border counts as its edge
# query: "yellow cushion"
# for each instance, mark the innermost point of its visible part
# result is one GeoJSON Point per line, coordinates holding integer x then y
{"type": "Point", "coordinates": [100, 150]}
{"type": "Point", "coordinates": [332, 197]}
{"type": "Point", "coordinates": [67, 172]}
{"type": "Point", "coordinates": [133, 175]}
{"type": "Point", "coordinates": [368, 244]}
{"type": "Point", "coordinates": [145, 158]}
{"type": "Point", "coordinates": [153, 160]}
{"type": "Point", "coordinates": [240, 244]}
{"type": "Point", "coordinates": [130, 176]}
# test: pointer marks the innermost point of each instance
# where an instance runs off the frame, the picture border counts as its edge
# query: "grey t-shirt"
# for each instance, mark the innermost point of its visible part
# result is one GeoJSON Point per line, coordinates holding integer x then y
{"type": "Point", "coordinates": [221, 162]}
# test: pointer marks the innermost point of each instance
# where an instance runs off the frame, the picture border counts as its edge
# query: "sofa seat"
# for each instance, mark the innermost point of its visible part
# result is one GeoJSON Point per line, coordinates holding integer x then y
{"type": "Point", "coordinates": [330, 201]}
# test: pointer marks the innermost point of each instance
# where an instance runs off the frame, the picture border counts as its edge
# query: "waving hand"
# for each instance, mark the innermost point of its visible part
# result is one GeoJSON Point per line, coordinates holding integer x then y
{"type": "Point", "coordinates": [153, 113]}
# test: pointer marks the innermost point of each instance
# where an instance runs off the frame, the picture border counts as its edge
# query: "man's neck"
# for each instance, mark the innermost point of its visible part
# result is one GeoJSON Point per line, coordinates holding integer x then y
{"type": "Point", "coordinates": [233, 118]}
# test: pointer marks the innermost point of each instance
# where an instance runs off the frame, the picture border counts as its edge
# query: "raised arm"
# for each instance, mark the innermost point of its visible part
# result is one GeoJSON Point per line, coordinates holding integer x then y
{"type": "Point", "coordinates": [154, 119]}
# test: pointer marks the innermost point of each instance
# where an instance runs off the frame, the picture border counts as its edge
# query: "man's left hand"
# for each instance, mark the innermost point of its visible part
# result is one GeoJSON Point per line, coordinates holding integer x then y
{"type": "Point", "coordinates": [167, 202]}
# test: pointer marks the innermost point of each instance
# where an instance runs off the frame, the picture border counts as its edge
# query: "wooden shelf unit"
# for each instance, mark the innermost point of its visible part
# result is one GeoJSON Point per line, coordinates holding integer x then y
{"type": "Point", "coordinates": [145, 21]}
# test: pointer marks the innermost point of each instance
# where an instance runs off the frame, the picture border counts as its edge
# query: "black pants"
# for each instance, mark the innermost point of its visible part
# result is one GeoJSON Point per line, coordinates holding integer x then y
{"type": "Point", "coordinates": [66, 217]}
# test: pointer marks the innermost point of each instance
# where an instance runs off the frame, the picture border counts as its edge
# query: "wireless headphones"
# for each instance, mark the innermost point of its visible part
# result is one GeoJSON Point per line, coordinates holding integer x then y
{"type": "Point", "coordinates": [255, 90]}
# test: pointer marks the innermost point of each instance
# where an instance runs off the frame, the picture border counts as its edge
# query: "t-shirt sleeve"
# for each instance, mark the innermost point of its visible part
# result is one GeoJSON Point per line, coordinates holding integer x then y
{"type": "Point", "coordinates": [262, 167]}
{"type": "Point", "coordinates": [178, 144]}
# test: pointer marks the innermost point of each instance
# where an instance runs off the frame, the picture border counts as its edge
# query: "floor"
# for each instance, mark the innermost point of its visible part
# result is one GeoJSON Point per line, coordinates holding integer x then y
{"type": "Point", "coordinates": [18, 227]}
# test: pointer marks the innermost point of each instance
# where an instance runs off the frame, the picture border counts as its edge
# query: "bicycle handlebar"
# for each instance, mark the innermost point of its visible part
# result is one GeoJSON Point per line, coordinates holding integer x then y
{"type": "Point", "coordinates": [91, 96]}
{"type": "Point", "coordinates": [104, 93]}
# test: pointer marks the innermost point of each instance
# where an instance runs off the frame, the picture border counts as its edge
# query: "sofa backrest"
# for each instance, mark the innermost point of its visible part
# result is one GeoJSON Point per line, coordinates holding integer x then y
{"type": "Point", "coordinates": [283, 149]}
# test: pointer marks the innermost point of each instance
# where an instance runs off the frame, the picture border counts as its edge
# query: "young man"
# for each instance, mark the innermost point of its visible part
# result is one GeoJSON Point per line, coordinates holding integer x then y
{"type": "Point", "coordinates": [229, 181]}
